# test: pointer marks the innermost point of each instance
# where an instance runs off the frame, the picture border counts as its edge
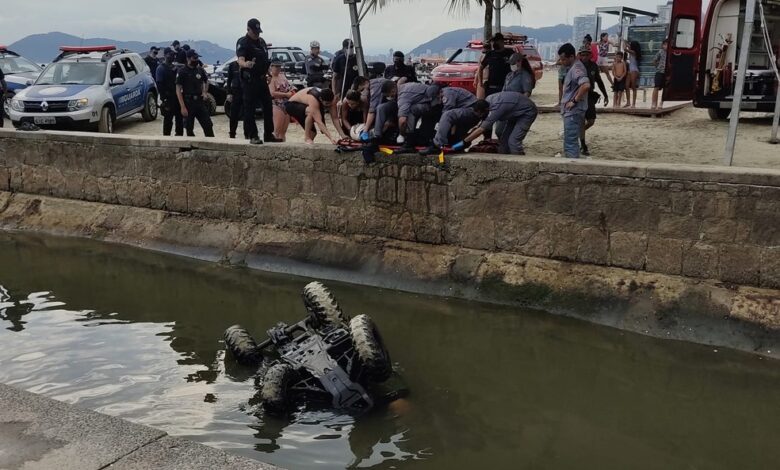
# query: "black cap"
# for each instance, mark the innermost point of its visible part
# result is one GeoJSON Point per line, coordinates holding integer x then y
{"type": "Point", "coordinates": [254, 25]}
{"type": "Point", "coordinates": [186, 47]}
{"type": "Point", "coordinates": [168, 50]}
{"type": "Point", "coordinates": [398, 54]}
{"type": "Point", "coordinates": [175, 43]}
{"type": "Point", "coordinates": [154, 48]}
{"type": "Point", "coordinates": [191, 54]}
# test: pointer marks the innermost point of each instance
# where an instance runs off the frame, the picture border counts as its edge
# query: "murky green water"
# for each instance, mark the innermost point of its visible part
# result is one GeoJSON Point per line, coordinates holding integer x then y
{"type": "Point", "coordinates": [137, 335]}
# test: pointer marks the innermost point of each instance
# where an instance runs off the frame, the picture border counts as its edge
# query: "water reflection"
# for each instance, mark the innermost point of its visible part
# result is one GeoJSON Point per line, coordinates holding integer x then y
{"type": "Point", "coordinates": [138, 335]}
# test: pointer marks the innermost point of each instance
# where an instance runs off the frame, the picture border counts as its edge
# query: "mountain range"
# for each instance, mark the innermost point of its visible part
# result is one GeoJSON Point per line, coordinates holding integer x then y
{"type": "Point", "coordinates": [459, 38]}
{"type": "Point", "coordinates": [42, 48]}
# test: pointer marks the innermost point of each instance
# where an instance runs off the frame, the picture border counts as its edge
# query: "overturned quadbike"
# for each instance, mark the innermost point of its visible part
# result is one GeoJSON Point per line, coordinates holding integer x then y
{"type": "Point", "coordinates": [326, 357]}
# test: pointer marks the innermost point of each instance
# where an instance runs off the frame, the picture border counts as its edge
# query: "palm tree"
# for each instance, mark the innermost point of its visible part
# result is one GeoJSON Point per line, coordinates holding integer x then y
{"type": "Point", "coordinates": [456, 6]}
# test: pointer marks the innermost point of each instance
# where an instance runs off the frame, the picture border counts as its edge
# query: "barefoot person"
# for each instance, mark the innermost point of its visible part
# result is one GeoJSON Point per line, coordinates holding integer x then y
{"type": "Point", "coordinates": [660, 74]}
{"type": "Point", "coordinates": [634, 52]}
{"type": "Point", "coordinates": [308, 108]}
{"type": "Point", "coordinates": [603, 58]}
{"type": "Point", "coordinates": [281, 91]}
{"type": "Point", "coordinates": [619, 71]}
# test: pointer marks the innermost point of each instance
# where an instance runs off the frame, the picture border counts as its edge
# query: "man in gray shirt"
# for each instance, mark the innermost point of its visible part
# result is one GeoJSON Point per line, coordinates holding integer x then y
{"type": "Point", "coordinates": [416, 102]}
{"type": "Point", "coordinates": [518, 113]}
{"type": "Point", "coordinates": [574, 103]}
{"type": "Point", "coordinates": [660, 73]}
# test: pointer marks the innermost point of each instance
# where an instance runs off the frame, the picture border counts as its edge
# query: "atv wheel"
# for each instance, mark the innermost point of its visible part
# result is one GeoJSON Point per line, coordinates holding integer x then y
{"type": "Point", "coordinates": [374, 358]}
{"type": "Point", "coordinates": [276, 388]}
{"type": "Point", "coordinates": [242, 346]}
{"type": "Point", "coordinates": [322, 306]}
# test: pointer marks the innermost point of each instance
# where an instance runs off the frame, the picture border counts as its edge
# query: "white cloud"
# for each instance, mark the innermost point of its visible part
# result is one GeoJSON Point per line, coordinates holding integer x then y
{"type": "Point", "coordinates": [295, 22]}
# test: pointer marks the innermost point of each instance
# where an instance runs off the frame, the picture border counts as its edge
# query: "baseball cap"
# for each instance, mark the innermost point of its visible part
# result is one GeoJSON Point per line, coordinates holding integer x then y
{"type": "Point", "coordinates": [314, 44]}
{"type": "Point", "coordinates": [254, 25]}
{"type": "Point", "coordinates": [585, 49]}
{"type": "Point", "coordinates": [398, 54]}
{"type": "Point", "coordinates": [191, 54]}
{"type": "Point", "coordinates": [168, 50]}
{"type": "Point", "coordinates": [154, 48]}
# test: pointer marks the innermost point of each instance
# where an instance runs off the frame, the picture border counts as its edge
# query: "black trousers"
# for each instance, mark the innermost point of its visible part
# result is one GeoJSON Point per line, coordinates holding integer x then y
{"type": "Point", "coordinates": [257, 93]}
{"type": "Point", "coordinates": [196, 109]}
{"type": "Point", "coordinates": [236, 110]}
{"type": "Point", "coordinates": [171, 112]}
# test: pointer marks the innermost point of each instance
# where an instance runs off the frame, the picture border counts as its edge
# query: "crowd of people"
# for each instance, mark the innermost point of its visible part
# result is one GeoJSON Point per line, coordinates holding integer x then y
{"type": "Point", "coordinates": [394, 108]}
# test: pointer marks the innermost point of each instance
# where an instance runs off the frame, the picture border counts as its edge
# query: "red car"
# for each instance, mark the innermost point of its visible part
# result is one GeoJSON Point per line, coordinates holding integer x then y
{"type": "Point", "coordinates": [461, 69]}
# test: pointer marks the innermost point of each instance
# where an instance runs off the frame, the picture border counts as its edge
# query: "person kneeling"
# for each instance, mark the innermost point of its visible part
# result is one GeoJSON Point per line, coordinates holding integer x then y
{"type": "Point", "coordinates": [516, 111]}
{"type": "Point", "coordinates": [308, 108]}
{"type": "Point", "coordinates": [456, 124]}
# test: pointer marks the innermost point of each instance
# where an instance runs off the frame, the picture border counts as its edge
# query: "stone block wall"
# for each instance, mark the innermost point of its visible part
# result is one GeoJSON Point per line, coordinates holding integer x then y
{"type": "Point", "coordinates": [699, 222]}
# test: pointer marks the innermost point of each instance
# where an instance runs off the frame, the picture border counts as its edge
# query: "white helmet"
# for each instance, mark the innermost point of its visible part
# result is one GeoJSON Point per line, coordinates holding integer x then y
{"type": "Point", "coordinates": [356, 130]}
{"type": "Point", "coordinates": [314, 44]}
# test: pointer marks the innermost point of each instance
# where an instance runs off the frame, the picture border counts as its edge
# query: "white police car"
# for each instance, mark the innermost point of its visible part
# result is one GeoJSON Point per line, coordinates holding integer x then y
{"type": "Point", "coordinates": [87, 88]}
{"type": "Point", "coordinates": [19, 73]}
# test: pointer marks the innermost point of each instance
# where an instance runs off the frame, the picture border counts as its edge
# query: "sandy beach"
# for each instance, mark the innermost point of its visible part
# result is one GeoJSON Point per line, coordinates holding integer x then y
{"type": "Point", "coordinates": [685, 136]}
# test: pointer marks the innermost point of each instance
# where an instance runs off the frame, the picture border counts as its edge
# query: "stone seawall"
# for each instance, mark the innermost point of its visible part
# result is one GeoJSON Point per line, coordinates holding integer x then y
{"type": "Point", "coordinates": [591, 229]}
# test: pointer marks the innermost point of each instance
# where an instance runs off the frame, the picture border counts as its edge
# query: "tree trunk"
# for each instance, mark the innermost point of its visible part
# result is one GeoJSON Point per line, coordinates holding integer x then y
{"type": "Point", "coordinates": [488, 19]}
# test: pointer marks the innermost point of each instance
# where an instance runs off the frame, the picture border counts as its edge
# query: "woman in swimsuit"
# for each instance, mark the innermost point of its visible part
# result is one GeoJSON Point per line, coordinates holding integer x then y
{"type": "Point", "coordinates": [634, 52]}
{"type": "Point", "coordinates": [281, 91]}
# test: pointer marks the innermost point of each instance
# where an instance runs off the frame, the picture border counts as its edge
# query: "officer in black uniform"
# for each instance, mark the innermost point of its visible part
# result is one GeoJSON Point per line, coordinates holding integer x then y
{"type": "Point", "coordinates": [191, 87]}
{"type": "Point", "coordinates": [399, 69]}
{"type": "Point", "coordinates": [152, 61]}
{"type": "Point", "coordinates": [166, 84]}
{"type": "Point", "coordinates": [235, 97]}
{"type": "Point", "coordinates": [252, 53]}
{"type": "Point", "coordinates": [181, 54]}
{"type": "Point", "coordinates": [315, 67]}
{"type": "Point", "coordinates": [3, 88]}
{"type": "Point", "coordinates": [497, 63]}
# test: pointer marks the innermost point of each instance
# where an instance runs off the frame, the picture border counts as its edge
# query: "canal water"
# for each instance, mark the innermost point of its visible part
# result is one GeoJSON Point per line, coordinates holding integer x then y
{"type": "Point", "coordinates": [137, 335]}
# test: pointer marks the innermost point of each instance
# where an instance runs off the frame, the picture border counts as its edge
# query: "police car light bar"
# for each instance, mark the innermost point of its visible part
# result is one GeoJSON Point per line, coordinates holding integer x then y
{"type": "Point", "coordinates": [86, 49]}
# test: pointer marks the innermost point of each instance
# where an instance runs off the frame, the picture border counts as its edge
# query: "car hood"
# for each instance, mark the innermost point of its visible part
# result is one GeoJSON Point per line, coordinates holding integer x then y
{"type": "Point", "coordinates": [456, 67]}
{"type": "Point", "coordinates": [54, 91]}
{"type": "Point", "coordinates": [19, 80]}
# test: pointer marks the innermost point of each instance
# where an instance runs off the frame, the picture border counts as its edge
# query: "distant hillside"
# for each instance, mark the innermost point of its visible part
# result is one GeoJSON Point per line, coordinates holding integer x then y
{"type": "Point", "coordinates": [43, 48]}
{"type": "Point", "coordinates": [458, 38]}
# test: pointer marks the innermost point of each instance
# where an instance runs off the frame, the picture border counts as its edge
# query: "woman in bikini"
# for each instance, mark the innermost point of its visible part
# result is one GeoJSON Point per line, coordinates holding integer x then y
{"type": "Point", "coordinates": [281, 91]}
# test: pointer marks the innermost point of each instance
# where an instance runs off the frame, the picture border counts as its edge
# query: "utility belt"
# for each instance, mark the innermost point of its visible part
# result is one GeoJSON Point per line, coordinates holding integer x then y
{"type": "Point", "coordinates": [193, 97]}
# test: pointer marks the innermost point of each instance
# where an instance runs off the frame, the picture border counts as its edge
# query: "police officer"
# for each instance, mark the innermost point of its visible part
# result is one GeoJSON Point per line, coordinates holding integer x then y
{"type": "Point", "coordinates": [456, 98]}
{"type": "Point", "coordinates": [252, 53]}
{"type": "Point", "coordinates": [455, 124]}
{"type": "Point", "coordinates": [152, 61]}
{"type": "Point", "coordinates": [3, 89]}
{"type": "Point", "coordinates": [517, 111]}
{"type": "Point", "coordinates": [497, 63]}
{"type": "Point", "coordinates": [181, 54]}
{"type": "Point", "coordinates": [235, 97]}
{"type": "Point", "coordinates": [417, 101]}
{"type": "Point", "coordinates": [191, 88]}
{"type": "Point", "coordinates": [166, 84]}
{"type": "Point", "coordinates": [374, 98]}
{"type": "Point", "coordinates": [315, 67]}
{"type": "Point", "coordinates": [398, 70]}
{"type": "Point", "coordinates": [345, 68]}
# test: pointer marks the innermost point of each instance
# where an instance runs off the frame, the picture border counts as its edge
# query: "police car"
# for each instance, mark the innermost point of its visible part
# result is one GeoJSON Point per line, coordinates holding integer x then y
{"type": "Point", "coordinates": [88, 88]}
{"type": "Point", "coordinates": [19, 73]}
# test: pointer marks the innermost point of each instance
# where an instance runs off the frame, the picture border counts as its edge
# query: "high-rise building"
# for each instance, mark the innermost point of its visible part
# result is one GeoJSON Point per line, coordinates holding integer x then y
{"type": "Point", "coordinates": [665, 13]}
{"type": "Point", "coordinates": [585, 24]}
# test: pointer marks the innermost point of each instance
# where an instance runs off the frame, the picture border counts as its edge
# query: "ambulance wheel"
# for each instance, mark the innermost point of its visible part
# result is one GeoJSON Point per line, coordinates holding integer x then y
{"type": "Point", "coordinates": [149, 113]}
{"type": "Point", "coordinates": [106, 123]}
{"type": "Point", "coordinates": [718, 114]}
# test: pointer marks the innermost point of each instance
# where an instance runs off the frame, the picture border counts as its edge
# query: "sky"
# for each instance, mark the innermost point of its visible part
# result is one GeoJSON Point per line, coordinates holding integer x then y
{"type": "Point", "coordinates": [402, 26]}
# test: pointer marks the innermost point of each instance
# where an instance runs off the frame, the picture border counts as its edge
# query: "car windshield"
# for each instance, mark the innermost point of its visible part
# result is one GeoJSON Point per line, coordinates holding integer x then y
{"type": "Point", "coordinates": [467, 55]}
{"type": "Point", "coordinates": [73, 73]}
{"type": "Point", "coordinates": [11, 65]}
{"type": "Point", "coordinates": [299, 56]}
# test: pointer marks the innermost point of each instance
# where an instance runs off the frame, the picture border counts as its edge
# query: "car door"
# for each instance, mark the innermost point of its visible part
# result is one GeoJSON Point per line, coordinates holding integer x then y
{"type": "Point", "coordinates": [683, 50]}
{"type": "Point", "coordinates": [120, 93]}
{"type": "Point", "coordinates": [135, 83]}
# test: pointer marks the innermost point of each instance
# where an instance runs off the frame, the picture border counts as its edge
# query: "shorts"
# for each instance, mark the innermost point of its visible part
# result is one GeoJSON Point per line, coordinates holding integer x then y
{"type": "Point", "coordinates": [297, 111]}
{"type": "Point", "coordinates": [590, 113]}
{"type": "Point", "coordinates": [603, 61]}
{"type": "Point", "coordinates": [620, 85]}
{"type": "Point", "coordinates": [660, 80]}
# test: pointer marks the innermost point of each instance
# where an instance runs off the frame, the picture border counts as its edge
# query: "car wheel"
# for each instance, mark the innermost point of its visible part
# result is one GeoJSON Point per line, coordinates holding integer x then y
{"type": "Point", "coordinates": [106, 123]}
{"type": "Point", "coordinates": [374, 358]}
{"type": "Point", "coordinates": [242, 346]}
{"type": "Point", "coordinates": [275, 392]}
{"type": "Point", "coordinates": [149, 113]}
{"type": "Point", "coordinates": [322, 306]}
{"type": "Point", "coordinates": [718, 114]}
{"type": "Point", "coordinates": [211, 104]}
